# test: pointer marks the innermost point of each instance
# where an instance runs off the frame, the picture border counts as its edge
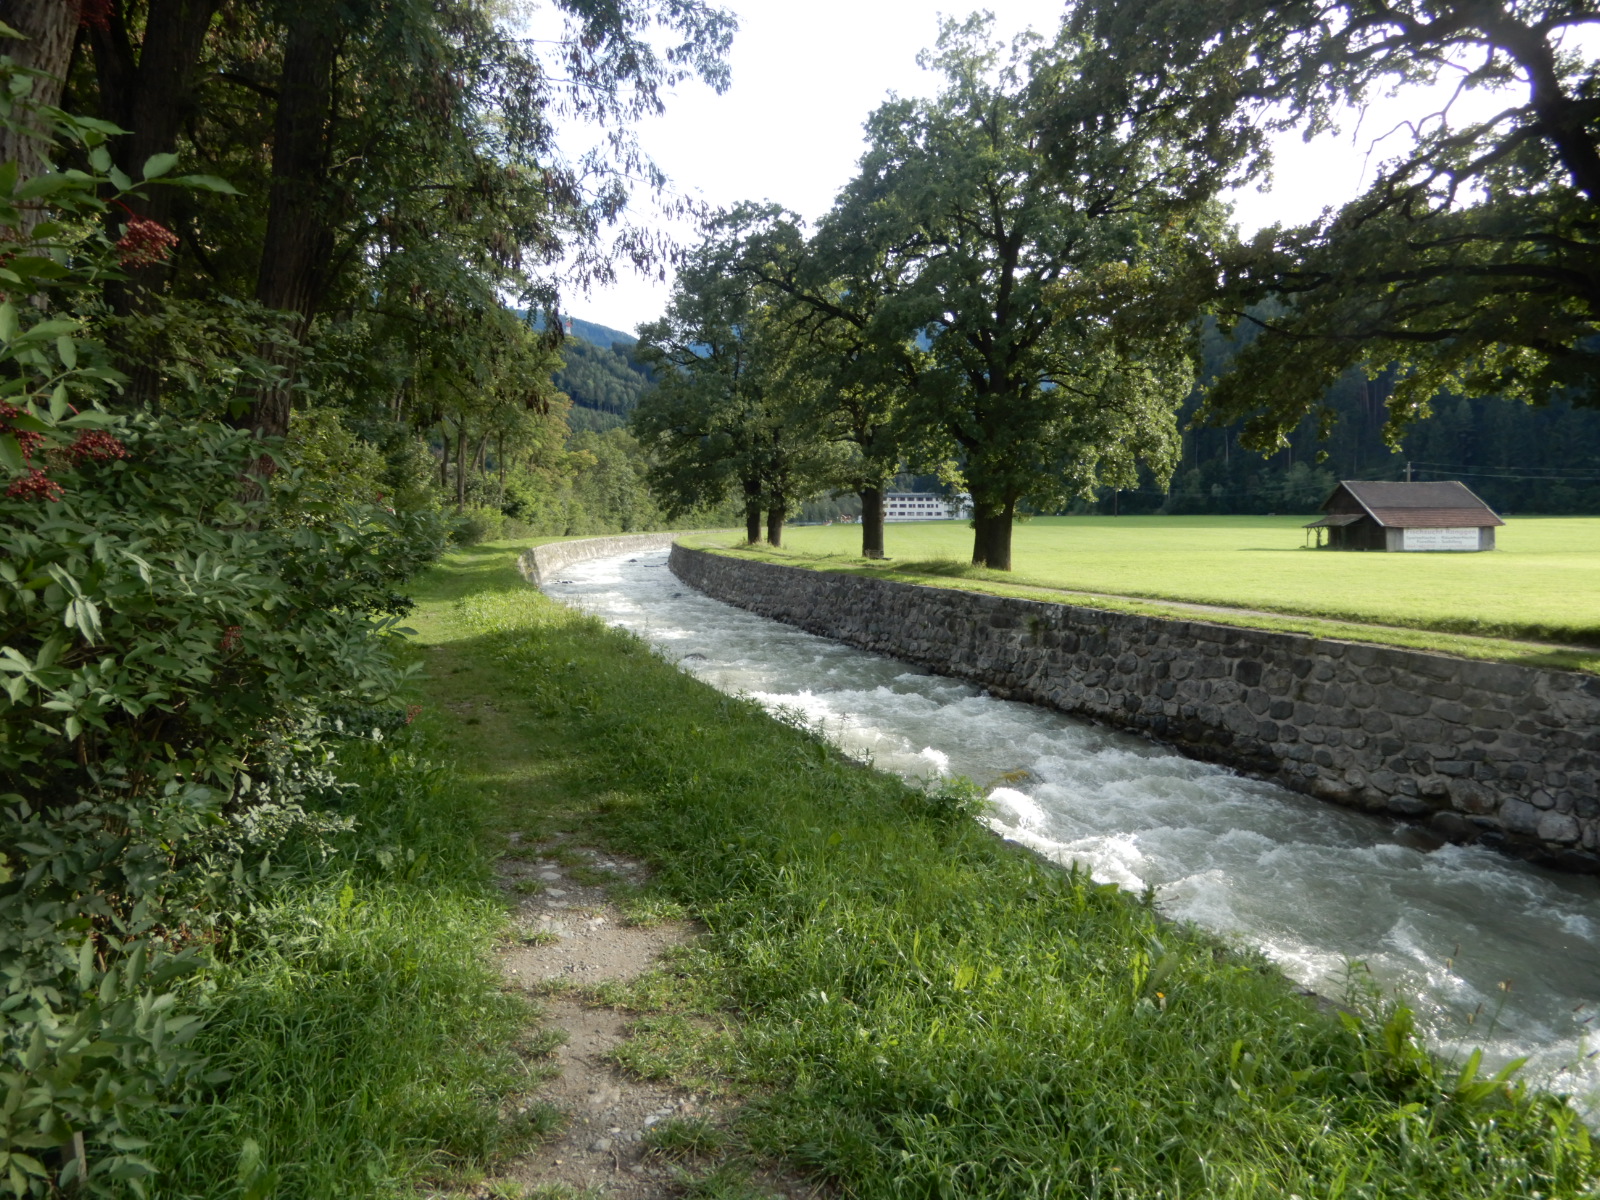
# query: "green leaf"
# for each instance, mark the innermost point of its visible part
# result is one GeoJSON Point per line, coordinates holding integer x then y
{"type": "Point", "coordinates": [158, 165]}
{"type": "Point", "coordinates": [11, 453]}
{"type": "Point", "coordinates": [209, 183]}
{"type": "Point", "coordinates": [44, 185]}
{"type": "Point", "coordinates": [46, 330]}
{"type": "Point", "coordinates": [68, 350]}
{"type": "Point", "coordinates": [29, 1164]}
{"type": "Point", "coordinates": [119, 180]}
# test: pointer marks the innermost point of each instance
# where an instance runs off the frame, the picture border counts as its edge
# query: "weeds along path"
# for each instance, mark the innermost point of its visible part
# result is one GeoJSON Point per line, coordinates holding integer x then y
{"type": "Point", "coordinates": [883, 998]}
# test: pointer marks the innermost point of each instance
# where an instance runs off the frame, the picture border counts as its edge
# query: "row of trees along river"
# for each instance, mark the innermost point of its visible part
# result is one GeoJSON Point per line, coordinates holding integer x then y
{"type": "Point", "coordinates": [1031, 272]}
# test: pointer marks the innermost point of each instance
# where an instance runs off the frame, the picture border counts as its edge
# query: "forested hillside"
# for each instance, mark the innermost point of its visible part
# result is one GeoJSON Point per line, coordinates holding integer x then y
{"type": "Point", "coordinates": [604, 382]}
{"type": "Point", "coordinates": [1520, 457]}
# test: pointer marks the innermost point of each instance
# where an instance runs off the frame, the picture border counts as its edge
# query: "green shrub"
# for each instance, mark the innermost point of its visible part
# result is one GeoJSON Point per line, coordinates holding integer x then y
{"type": "Point", "coordinates": [175, 662]}
{"type": "Point", "coordinates": [478, 523]}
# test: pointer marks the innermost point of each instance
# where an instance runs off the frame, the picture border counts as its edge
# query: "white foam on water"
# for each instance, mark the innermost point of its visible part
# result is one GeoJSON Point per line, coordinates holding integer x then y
{"type": "Point", "coordinates": [1014, 810]}
{"type": "Point", "coordinates": [1310, 885]}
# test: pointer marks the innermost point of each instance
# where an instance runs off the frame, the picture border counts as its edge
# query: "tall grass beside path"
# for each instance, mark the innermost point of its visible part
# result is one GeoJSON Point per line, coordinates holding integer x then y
{"type": "Point", "coordinates": [367, 1044]}
{"type": "Point", "coordinates": [927, 1011]}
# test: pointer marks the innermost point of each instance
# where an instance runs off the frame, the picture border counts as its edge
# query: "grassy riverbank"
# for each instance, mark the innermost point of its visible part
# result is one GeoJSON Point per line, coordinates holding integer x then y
{"type": "Point", "coordinates": [1511, 610]}
{"type": "Point", "coordinates": [362, 1041]}
{"type": "Point", "coordinates": [920, 1009]}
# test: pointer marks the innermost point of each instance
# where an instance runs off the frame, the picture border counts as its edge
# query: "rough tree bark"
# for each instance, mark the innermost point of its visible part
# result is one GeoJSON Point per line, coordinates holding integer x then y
{"type": "Point", "coordinates": [147, 88]}
{"type": "Point", "coordinates": [49, 27]}
{"type": "Point", "coordinates": [752, 511]}
{"type": "Point", "coordinates": [871, 522]}
{"type": "Point", "coordinates": [299, 237]}
{"type": "Point", "coordinates": [461, 466]}
{"type": "Point", "coordinates": [991, 534]}
{"type": "Point", "coordinates": [775, 518]}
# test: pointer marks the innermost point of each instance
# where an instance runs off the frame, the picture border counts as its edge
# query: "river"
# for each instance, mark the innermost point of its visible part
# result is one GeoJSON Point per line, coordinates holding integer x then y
{"type": "Point", "coordinates": [1487, 951]}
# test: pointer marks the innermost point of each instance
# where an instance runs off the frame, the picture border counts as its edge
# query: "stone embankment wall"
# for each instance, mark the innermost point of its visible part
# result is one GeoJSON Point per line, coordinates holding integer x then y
{"type": "Point", "coordinates": [546, 562]}
{"type": "Point", "coordinates": [1479, 751]}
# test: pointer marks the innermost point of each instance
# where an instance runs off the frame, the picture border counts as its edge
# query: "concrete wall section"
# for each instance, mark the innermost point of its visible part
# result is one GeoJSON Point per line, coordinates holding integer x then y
{"type": "Point", "coordinates": [1479, 751]}
{"type": "Point", "coordinates": [546, 562]}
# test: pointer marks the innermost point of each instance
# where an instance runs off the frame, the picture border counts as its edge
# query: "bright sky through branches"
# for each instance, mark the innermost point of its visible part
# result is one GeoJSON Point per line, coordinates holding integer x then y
{"type": "Point", "coordinates": [805, 77]}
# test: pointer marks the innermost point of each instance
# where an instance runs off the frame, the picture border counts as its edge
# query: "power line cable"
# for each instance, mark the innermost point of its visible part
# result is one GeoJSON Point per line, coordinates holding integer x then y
{"type": "Point", "coordinates": [1554, 474]}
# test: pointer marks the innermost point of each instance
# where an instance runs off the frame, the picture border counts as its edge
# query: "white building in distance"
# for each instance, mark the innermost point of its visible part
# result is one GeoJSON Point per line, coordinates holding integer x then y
{"type": "Point", "coordinates": [925, 506]}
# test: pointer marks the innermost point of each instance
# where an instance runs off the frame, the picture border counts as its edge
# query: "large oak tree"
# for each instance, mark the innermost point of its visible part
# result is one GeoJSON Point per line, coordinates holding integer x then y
{"type": "Point", "coordinates": [1016, 295]}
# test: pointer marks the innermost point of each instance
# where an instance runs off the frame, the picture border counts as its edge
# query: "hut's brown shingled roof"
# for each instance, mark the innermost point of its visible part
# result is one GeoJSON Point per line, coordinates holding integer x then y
{"type": "Point", "coordinates": [1421, 505]}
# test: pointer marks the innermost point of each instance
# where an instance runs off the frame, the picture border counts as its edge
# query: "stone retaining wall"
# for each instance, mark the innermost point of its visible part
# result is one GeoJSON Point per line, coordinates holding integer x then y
{"type": "Point", "coordinates": [1479, 751]}
{"type": "Point", "coordinates": [545, 562]}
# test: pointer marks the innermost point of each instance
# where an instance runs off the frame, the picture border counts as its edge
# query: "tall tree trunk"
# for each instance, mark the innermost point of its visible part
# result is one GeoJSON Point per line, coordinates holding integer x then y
{"type": "Point", "coordinates": [444, 458]}
{"type": "Point", "coordinates": [147, 89]}
{"type": "Point", "coordinates": [461, 466]}
{"type": "Point", "coordinates": [50, 27]}
{"type": "Point", "coordinates": [752, 511]}
{"type": "Point", "coordinates": [991, 538]}
{"type": "Point", "coordinates": [871, 522]}
{"type": "Point", "coordinates": [299, 237]}
{"type": "Point", "coordinates": [775, 517]}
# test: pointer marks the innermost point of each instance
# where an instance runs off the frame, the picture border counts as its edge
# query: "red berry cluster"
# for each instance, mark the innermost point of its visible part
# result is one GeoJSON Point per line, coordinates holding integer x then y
{"type": "Point", "coordinates": [35, 485]}
{"type": "Point", "coordinates": [97, 445]}
{"type": "Point", "coordinates": [28, 440]}
{"type": "Point", "coordinates": [145, 243]}
{"type": "Point", "coordinates": [231, 637]}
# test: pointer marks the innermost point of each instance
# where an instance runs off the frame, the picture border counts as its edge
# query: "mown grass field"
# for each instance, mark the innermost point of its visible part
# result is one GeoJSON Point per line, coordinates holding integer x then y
{"type": "Point", "coordinates": [1543, 583]}
{"type": "Point", "coordinates": [910, 1007]}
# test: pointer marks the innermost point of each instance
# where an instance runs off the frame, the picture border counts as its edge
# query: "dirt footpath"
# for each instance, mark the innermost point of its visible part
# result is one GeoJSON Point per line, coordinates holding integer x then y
{"type": "Point", "coordinates": [571, 934]}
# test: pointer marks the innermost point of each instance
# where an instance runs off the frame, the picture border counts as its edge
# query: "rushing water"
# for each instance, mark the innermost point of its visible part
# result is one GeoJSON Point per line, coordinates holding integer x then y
{"type": "Point", "coordinates": [1461, 932]}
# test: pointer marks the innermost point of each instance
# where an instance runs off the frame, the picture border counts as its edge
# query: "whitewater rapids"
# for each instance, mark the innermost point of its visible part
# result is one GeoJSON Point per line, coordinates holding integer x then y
{"type": "Point", "coordinates": [1489, 952]}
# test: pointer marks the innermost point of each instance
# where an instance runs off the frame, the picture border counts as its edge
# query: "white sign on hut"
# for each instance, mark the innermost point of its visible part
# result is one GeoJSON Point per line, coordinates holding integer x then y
{"type": "Point", "coordinates": [1367, 515]}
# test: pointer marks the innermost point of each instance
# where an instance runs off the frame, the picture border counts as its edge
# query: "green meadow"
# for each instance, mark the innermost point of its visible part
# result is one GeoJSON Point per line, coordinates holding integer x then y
{"type": "Point", "coordinates": [1541, 584]}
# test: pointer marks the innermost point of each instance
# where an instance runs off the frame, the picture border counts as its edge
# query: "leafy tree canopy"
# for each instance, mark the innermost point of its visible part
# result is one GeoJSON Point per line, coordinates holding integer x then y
{"type": "Point", "coordinates": [1018, 297]}
{"type": "Point", "coordinates": [1470, 264]}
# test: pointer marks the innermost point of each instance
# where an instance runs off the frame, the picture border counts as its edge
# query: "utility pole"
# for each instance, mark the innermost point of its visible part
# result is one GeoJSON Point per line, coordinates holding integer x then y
{"type": "Point", "coordinates": [1408, 472]}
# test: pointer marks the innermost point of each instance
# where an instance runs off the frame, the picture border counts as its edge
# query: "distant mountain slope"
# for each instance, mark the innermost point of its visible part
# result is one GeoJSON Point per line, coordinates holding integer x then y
{"type": "Point", "coordinates": [601, 374]}
{"type": "Point", "coordinates": [599, 335]}
{"type": "Point", "coordinates": [589, 331]}
{"type": "Point", "coordinates": [606, 379]}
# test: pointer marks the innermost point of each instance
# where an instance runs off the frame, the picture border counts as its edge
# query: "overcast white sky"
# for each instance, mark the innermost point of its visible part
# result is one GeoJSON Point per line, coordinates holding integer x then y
{"type": "Point", "coordinates": [805, 77]}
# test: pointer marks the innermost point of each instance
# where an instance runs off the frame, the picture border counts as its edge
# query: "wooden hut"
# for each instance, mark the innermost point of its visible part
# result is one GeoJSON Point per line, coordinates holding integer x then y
{"type": "Point", "coordinates": [1365, 515]}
